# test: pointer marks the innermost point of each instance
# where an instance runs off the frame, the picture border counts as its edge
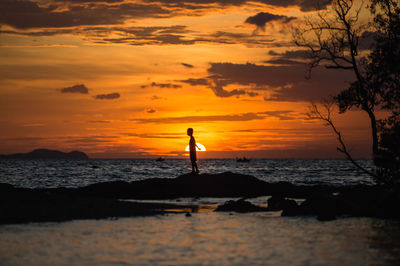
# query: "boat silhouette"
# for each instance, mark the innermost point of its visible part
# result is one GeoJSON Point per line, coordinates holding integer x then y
{"type": "Point", "coordinates": [242, 160]}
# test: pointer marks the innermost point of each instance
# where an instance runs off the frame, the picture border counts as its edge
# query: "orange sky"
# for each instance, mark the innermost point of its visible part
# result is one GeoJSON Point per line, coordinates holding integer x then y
{"type": "Point", "coordinates": [125, 79]}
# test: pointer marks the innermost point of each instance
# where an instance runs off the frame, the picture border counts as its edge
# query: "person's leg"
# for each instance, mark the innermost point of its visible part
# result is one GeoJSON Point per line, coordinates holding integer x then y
{"type": "Point", "coordinates": [193, 166]}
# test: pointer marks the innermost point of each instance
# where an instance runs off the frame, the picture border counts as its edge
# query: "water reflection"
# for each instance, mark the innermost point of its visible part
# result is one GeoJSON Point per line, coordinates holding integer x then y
{"type": "Point", "coordinates": [204, 238]}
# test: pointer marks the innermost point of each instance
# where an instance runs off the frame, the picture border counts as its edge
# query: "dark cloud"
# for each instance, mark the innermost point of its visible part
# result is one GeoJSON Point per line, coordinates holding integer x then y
{"type": "Point", "coordinates": [282, 61]}
{"type": "Point", "coordinates": [291, 57]}
{"type": "Point", "coordinates": [282, 115]}
{"type": "Point", "coordinates": [262, 18]}
{"type": "Point", "coordinates": [166, 85]}
{"type": "Point", "coordinates": [90, 1]}
{"type": "Point", "coordinates": [150, 36]}
{"type": "Point", "coordinates": [80, 88]}
{"type": "Point", "coordinates": [217, 86]}
{"type": "Point", "coordinates": [194, 82]}
{"type": "Point", "coordinates": [28, 14]}
{"type": "Point", "coordinates": [150, 110]}
{"type": "Point", "coordinates": [25, 14]}
{"type": "Point", "coordinates": [304, 5]}
{"type": "Point", "coordinates": [283, 82]}
{"type": "Point", "coordinates": [187, 65]}
{"type": "Point", "coordinates": [280, 82]}
{"type": "Point", "coordinates": [291, 54]}
{"type": "Point", "coordinates": [109, 96]}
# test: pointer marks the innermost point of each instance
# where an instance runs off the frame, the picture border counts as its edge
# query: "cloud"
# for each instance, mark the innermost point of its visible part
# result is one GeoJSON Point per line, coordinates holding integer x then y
{"type": "Point", "coordinates": [280, 82]}
{"type": "Point", "coordinates": [162, 35]}
{"type": "Point", "coordinates": [166, 85]}
{"type": "Point", "coordinates": [80, 88]}
{"type": "Point", "coordinates": [155, 97]}
{"type": "Point", "coordinates": [187, 65]}
{"type": "Point", "coordinates": [195, 82]}
{"type": "Point", "coordinates": [218, 88]}
{"type": "Point", "coordinates": [28, 14]}
{"type": "Point", "coordinates": [283, 82]}
{"type": "Point", "coordinates": [282, 62]}
{"type": "Point", "coordinates": [109, 96]}
{"type": "Point", "coordinates": [90, 139]}
{"type": "Point", "coordinates": [158, 135]}
{"type": "Point", "coordinates": [304, 5]}
{"type": "Point", "coordinates": [100, 121]}
{"type": "Point", "coordinates": [262, 18]}
{"type": "Point", "coordinates": [150, 110]}
{"type": "Point", "coordinates": [282, 115]}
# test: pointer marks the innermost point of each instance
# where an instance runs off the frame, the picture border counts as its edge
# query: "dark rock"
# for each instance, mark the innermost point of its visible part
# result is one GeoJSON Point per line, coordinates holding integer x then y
{"type": "Point", "coordinates": [387, 206]}
{"type": "Point", "coordinates": [240, 205]}
{"type": "Point", "coordinates": [4, 187]}
{"type": "Point", "coordinates": [100, 200]}
{"type": "Point", "coordinates": [47, 154]}
{"type": "Point", "coordinates": [188, 214]}
{"type": "Point", "coordinates": [23, 206]}
{"type": "Point", "coordinates": [189, 185]}
{"type": "Point", "coordinates": [290, 208]}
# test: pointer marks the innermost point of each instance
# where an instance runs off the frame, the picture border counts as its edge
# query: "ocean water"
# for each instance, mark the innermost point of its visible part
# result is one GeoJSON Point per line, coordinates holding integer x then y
{"type": "Point", "coordinates": [75, 173]}
{"type": "Point", "coordinates": [203, 239]}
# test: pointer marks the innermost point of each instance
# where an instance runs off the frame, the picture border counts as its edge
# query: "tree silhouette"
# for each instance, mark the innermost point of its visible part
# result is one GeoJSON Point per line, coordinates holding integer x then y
{"type": "Point", "coordinates": [336, 39]}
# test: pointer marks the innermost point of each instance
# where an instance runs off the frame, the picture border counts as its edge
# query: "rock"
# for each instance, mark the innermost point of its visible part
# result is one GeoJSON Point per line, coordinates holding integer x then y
{"type": "Point", "coordinates": [24, 206]}
{"type": "Point", "coordinates": [4, 187]}
{"type": "Point", "coordinates": [240, 205]}
{"type": "Point", "coordinates": [290, 208]}
{"type": "Point", "coordinates": [188, 214]}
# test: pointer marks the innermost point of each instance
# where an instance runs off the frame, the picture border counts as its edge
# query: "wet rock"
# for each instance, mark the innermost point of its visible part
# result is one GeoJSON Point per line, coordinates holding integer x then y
{"type": "Point", "coordinates": [240, 205]}
{"type": "Point", "coordinates": [4, 187]}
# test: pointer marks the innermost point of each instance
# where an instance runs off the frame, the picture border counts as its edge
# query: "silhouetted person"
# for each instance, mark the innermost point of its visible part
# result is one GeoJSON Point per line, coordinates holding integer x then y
{"type": "Point", "coordinates": [192, 151]}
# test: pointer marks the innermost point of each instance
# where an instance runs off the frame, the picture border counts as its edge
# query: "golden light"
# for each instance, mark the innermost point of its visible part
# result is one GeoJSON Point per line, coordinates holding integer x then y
{"type": "Point", "coordinates": [200, 147]}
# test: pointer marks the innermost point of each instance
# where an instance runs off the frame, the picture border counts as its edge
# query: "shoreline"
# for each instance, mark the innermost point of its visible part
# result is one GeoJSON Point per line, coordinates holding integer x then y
{"type": "Point", "coordinates": [103, 200]}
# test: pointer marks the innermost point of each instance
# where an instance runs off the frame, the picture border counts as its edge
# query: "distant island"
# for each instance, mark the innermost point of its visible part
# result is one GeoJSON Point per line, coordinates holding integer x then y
{"type": "Point", "coordinates": [47, 154]}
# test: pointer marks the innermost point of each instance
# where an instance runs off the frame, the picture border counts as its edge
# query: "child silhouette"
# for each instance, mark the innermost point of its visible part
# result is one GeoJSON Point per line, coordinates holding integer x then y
{"type": "Point", "coordinates": [192, 151]}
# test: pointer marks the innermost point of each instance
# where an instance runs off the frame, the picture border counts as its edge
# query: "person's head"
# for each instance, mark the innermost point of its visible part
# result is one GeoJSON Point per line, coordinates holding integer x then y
{"type": "Point", "coordinates": [190, 131]}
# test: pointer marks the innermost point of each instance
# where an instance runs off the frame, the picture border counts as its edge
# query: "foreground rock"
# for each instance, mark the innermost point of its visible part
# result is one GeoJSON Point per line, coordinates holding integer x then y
{"type": "Point", "coordinates": [101, 200]}
{"type": "Point", "coordinates": [240, 205]}
{"type": "Point", "coordinates": [189, 185]}
{"type": "Point", "coordinates": [35, 206]}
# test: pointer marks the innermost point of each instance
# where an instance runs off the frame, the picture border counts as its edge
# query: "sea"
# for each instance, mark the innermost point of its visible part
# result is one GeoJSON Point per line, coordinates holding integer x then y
{"type": "Point", "coordinates": [77, 173]}
{"type": "Point", "coordinates": [204, 238]}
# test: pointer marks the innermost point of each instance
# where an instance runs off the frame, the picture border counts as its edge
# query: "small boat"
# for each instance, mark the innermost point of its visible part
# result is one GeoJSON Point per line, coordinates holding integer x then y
{"type": "Point", "coordinates": [160, 159]}
{"type": "Point", "coordinates": [242, 160]}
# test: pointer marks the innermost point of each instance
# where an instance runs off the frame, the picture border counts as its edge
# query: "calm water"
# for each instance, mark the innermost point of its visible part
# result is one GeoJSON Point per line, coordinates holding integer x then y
{"type": "Point", "coordinates": [70, 173]}
{"type": "Point", "coordinates": [207, 238]}
{"type": "Point", "coordinates": [203, 239]}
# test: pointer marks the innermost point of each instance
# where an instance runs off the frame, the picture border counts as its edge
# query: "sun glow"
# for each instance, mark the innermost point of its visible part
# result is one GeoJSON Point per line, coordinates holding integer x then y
{"type": "Point", "coordinates": [200, 147]}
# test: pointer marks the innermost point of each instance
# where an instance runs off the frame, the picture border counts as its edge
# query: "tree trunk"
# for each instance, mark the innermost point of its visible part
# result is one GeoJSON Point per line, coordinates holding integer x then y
{"type": "Point", "coordinates": [374, 132]}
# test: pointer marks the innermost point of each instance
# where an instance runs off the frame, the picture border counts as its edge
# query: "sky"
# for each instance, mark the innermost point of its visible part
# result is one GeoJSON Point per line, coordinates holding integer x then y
{"type": "Point", "coordinates": [125, 79]}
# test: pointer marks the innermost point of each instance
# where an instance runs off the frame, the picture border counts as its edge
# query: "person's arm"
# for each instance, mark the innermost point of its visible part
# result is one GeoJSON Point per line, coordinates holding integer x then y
{"type": "Point", "coordinates": [198, 147]}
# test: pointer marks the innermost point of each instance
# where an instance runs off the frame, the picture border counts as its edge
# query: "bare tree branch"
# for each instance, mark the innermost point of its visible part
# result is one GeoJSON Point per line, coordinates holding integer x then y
{"type": "Point", "coordinates": [315, 113]}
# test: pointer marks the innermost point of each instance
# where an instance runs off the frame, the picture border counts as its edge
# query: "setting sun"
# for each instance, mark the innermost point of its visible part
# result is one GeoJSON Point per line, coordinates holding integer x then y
{"type": "Point", "coordinates": [200, 147]}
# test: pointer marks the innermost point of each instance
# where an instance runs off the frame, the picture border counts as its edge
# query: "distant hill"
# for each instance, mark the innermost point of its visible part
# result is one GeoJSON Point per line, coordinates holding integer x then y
{"type": "Point", "coordinates": [47, 154]}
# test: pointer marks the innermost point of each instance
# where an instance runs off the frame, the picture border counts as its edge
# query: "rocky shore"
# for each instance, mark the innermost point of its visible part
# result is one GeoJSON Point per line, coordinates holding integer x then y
{"type": "Point", "coordinates": [102, 200]}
